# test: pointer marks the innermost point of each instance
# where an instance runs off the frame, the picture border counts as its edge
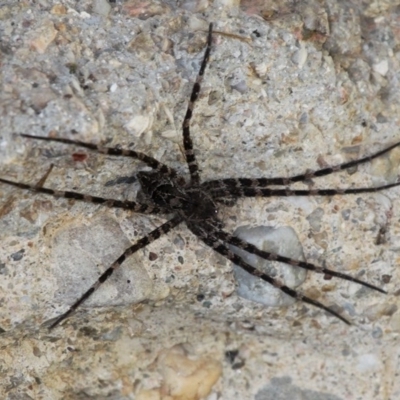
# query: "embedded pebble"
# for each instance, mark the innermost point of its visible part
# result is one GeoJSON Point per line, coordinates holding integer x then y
{"type": "Point", "coordinates": [368, 363]}
{"type": "Point", "coordinates": [101, 7]}
{"type": "Point", "coordinates": [58, 9]}
{"type": "Point", "coordinates": [381, 68]}
{"type": "Point", "coordinates": [377, 311]}
{"type": "Point", "coordinates": [173, 135]}
{"type": "Point", "coordinates": [184, 376]}
{"type": "Point", "coordinates": [113, 88]}
{"type": "Point", "coordinates": [227, 3]}
{"type": "Point", "coordinates": [139, 124]}
{"type": "Point", "coordinates": [300, 56]}
{"type": "Point", "coordinates": [43, 37]}
{"type": "Point", "coordinates": [315, 219]}
{"type": "Point", "coordinates": [194, 5]}
{"type": "Point", "coordinates": [260, 69]}
{"type": "Point", "coordinates": [283, 241]}
{"type": "Point", "coordinates": [237, 81]}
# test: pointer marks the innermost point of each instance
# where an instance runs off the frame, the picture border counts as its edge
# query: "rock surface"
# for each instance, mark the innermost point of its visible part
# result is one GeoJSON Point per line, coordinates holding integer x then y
{"type": "Point", "coordinates": [288, 88]}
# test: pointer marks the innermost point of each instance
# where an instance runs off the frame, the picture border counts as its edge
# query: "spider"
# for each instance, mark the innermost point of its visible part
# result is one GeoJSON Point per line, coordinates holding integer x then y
{"type": "Point", "coordinates": [196, 203]}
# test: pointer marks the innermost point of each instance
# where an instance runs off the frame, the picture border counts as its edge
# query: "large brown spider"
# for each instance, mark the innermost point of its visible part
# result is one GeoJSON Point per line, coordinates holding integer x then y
{"type": "Point", "coordinates": [196, 203]}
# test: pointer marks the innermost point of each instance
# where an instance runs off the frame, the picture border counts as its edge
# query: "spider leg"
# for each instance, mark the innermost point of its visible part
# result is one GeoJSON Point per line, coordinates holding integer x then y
{"type": "Point", "coordinates": [262, 182]}
{"type": "Point", "coordinates": [223, 249]}
{"type": "Point", "coordinates": [111, 151]}
{"type": "Point", "coordinates": [112, 203]}
{"type": "Point", "coordinates": [265, 192]}
{"type": "Point", "coordinates": [43, 179]}
{"type": "Point", "coordinates": [143, 242]}
{"type": "Point", "coordinates": [250, 248]}
{"type": "Point", "coordinates": [187, 141]}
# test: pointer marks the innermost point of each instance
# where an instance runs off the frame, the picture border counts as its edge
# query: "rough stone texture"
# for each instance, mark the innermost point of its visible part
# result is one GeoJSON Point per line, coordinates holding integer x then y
{"type": "Point", "coordinates": [289, 88]}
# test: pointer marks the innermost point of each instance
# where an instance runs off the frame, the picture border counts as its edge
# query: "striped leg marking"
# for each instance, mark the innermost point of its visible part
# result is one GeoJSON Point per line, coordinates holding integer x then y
{"type": "Point", "coordinates": [235, 241]}
{"type": "Point", "coordinates": [143, 242]}
{"type": "Point", "coordinates": [111, 203]}
{"type": "Point", "coordinates": [223, 249]}
{"type": "Point", "coordinates": [263, 182]}
{"type": "Point", "coordinates": [264, 192]}
{"type": "Point", "coordinates": [187, 140]}
{"type": "Point", "coordinates": [112, 151]}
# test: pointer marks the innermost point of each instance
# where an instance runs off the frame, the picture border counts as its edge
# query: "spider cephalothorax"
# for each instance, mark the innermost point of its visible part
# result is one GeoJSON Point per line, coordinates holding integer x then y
{"type": "Point", "coordinates": [195, 203]}
{"type": "Point", "coordinates": [192, 204]}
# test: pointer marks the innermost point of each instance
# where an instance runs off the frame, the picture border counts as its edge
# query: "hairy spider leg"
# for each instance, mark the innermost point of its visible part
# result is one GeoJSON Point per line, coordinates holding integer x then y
{"type": "Point", "coordinates": [266, 255]}
{"type": "Point", "coordinates": [222, 248]}
{"type": "Point", "coordinates": [262, 182]}
{"type": "Point", "coordinates": [265, 192]}
{"type": "Point", "coordinates": [111, 151]}
{"type": "Point", "coordinates": [187, 140]}
{"type": "Point", "coordinates": [139, 244]}
{"type": "Point", "coordinates": [111, 203]}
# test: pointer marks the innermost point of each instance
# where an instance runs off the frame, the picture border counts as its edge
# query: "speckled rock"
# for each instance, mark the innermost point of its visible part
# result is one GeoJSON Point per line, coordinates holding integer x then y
{"type": "Point", "coordinates": [290, 87]}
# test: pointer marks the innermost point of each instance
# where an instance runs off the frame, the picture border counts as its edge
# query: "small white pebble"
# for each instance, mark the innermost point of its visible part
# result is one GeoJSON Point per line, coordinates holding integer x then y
{"type": "Point", "coordinates": [139, 124]}
{"type": "Point", "coordinates": [381, 68]}
{"type": "Point", "coordinates": [368, 363]}
{"type": "Point", "coordinates": [300, 56]}
{"type": "Point", "coordinates": [101, 7]}
{"type": "Point", "coordinates": [172, 134]}
{"type": "Point", "coordinates": [113, 87]}
{"type": "Point", "coordinates": [378, 20]}
{"type": "Point", "coordinates": [261, 69]}
{"type": "Point", "coordinates": [83, 14]}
